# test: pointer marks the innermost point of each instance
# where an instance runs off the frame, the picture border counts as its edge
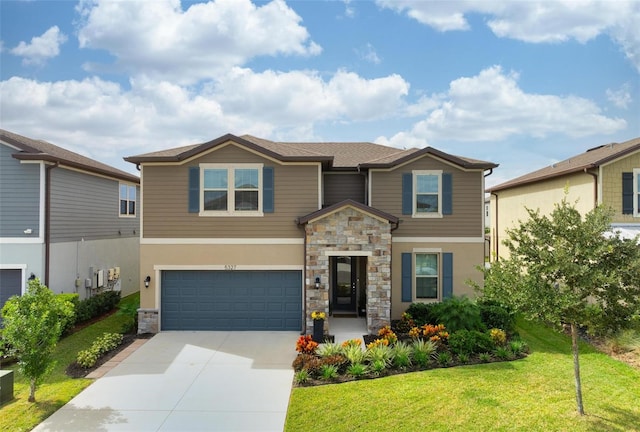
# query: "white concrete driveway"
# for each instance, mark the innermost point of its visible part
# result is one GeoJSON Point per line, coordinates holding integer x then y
{"type": "Point", "coordinates": [189, 381]}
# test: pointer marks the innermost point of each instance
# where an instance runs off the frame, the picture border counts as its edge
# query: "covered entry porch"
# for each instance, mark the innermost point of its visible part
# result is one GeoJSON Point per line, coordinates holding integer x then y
{"type": "Point", "coordinates": [348, 263]}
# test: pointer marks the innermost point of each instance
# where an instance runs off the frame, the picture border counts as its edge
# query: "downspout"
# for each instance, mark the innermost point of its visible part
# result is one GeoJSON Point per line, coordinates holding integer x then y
{"type": "Point", "coordinates": [47, 221]}
{"type": "Point", "coordinates": [595, 187]}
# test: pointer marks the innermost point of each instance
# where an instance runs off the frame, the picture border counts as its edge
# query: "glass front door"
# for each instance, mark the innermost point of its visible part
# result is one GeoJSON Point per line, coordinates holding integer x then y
{"type": "Point", "coordinates": [344, 278]}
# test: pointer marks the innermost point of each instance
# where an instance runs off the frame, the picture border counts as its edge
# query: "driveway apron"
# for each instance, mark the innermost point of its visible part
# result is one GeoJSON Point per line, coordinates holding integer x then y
{"type": "Point", "coordinates": [189, 381]}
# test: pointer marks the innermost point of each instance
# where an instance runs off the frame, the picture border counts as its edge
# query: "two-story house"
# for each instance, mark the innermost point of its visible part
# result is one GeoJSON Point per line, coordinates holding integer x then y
{"type": "Point", "coordinates": [66, 219]}
{"type": "Point", "coordinates": [608, 174]}
{"type": "Point", "coordinates": [247, 233]}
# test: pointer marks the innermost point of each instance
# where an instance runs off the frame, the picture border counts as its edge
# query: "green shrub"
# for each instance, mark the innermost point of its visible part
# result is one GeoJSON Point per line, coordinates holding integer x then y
{"type": "Point", "coordinates": [356, 370]}
{"type": "Point", "coordinates": [380, 352]}
{"type": "Point", "coordinates": [458, 313]}
{"type": "Point", "coordinates": [444, 358]}
{"type": "Point", "coordinates": [401, 353]}
{"type": "Point", "coordinates": [103, 344]}
{"type": "Point", "coordinates": [129, 310]}
{"type": "Point", "coordinates": [470, 342]}
{"type": "Point", "coordinates": [302, 376]}
{"type": "Point", "coordinates": [463, 358]}
{"type": "Point", "coordinates": [378, 366]}
{"type": "Point", "coordinates": [69, 323]}
{"type": "Point", "coordinates": [329, 349]}
{"type": "Point", "coordinates": [495, 315]}
{"type": "Point", "coordinates": [328, 371]}
{"type": "Point", "coordinates": [518, 347]}
{"type": "Point", "coordinates": [97, 305]}
{"type": "Point", "coordinates": [422, 313]}
{"type": "Point", "coordinates": [354, 354]}
{"type": "Point", "coordinates": [503, 353]}
{"type": "Point", "coordinates": [423, 350]}
{"type": "Point", "coordinates": [484, 357]}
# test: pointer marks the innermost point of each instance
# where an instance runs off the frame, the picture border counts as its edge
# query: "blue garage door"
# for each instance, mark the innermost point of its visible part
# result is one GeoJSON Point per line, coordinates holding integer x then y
{"type": "Point", "coordinates": [231, 300]}
{"type": "Point", "coordinates": [10, 284]}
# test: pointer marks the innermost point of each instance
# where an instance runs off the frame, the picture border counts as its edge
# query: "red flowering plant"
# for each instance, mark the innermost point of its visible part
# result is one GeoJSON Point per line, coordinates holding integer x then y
{"type": "Point", "coordinates": [306, 345]}
{"type": "Point", "coordinates": [388, 334]}
{"type": "Point", "coordinates": [435, 333]}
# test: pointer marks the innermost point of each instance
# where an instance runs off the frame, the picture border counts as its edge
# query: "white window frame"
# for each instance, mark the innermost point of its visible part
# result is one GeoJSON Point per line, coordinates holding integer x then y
{"type": "Point", "coordinates": [414, 294]}
{"type": "Point", "coordinates": [636, 192]}
{"type": "Point", "coordinates": [231, 168]}
{"type": "Point", "coordinates": [135, 200]}
{"type": "Point", "coordinates": [416, 174]}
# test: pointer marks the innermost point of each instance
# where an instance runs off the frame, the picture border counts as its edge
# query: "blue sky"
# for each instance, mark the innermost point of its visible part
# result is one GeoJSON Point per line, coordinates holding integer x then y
{"type": "Point", "coordinates": [520, 83]}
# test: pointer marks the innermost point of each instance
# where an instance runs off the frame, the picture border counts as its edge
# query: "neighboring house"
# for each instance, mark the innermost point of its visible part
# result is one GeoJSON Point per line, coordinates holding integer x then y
{"type": "Point", "coordinates": [607, 174]}
{"type": "Point", "coordinates": [245, 233]}
{"type": "Point", "coordinates": [66, 219]}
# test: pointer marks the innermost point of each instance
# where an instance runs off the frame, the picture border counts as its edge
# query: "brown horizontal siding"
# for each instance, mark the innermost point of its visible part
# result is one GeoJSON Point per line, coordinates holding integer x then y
{"type": "Point", "coordinates": [466, 220]}
{"type": "Point", "coordinates": [340, 187]}
{"type": "Point", "coordinates": [166, 201]}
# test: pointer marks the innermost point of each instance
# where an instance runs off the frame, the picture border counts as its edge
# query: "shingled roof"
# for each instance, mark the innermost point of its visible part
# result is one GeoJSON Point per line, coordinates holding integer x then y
{"type": "Point", "coordinates": [340, 155]}
{"type": "Point", "coordinates": [38, 150]}
{"type": "Point", "coordinates": [590, 159]}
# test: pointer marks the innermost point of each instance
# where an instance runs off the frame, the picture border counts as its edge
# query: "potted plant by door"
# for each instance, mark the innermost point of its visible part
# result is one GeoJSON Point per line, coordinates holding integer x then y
{"type": "Point", "coordinates": [318, 326]}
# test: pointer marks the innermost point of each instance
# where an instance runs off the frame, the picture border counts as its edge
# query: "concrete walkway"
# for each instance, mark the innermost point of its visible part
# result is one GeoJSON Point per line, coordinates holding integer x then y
{"type": "Point", "coordinates": [189, 381]}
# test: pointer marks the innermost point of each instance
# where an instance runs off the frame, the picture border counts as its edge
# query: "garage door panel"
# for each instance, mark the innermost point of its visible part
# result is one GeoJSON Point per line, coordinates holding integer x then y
{"type": "Point", "coordinates": [231, 300]}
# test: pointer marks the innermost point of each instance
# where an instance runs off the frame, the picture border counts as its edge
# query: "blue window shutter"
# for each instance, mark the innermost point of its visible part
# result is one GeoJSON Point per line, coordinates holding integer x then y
{"type": "Point", "coordinates": [194, 189]}
{"type": "Point", "coordinates": [267, 190]}
{"type": "Point", "coordinates": [407, 277]}
{"type": "Point", "coordinates": [407, 193]}
{"type": "Point", "coordinates": [627, 193]}
{"type": "Point", "coordinates": [447, 275]}
{"type": "Point", "coordinates": [447, 194]}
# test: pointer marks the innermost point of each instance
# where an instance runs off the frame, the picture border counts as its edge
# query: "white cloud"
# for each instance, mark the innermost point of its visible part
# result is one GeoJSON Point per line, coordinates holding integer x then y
{"type": "Point", "coordinates": [41, 48]}
{"type": "Point", "coordinates": [491, 107]}
{"type": "Point", "coordinates": [103, 118]}
{"type": "Point", "coordinates": [621, 97]}
{"type": "Point", "coordinates": [536, 21]}
{"type": "Point", "coordinates": [369, 54]}
{"type": "Point", "coordinates": [163, 41]}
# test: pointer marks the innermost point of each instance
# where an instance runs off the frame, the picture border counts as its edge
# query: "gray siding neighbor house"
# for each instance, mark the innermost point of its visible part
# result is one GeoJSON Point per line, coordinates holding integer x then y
{"type": "Point", "coordinates": [66, 219]}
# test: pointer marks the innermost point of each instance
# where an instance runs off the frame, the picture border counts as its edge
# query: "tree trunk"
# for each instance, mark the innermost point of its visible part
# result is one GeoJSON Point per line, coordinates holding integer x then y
{"type": "Point", "coordinates": [32, 390]}
{"type": "Point", "coordinates": [576, 367]}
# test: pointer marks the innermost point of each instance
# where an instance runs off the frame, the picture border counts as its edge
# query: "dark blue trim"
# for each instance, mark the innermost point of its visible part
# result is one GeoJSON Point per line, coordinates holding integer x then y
{"type": "Point", "coordinates": [447, 275]}
{"type": "Point", "coordinates": [268, 198]}
{"type": "Point", "coordinates": [447, 194]}
{"type": "Point", "coordinates": [407, 193]}
{"type": "Point", "coordinates": [194, 189]}
{"type": "Point", "coordinates": [627, 193]}
{"type": "Point", "coordinates": [407, 277]}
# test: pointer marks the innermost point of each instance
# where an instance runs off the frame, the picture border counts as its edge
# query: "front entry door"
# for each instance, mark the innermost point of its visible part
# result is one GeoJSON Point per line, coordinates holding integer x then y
{"type": "Point", "coordinates": [344, 280]}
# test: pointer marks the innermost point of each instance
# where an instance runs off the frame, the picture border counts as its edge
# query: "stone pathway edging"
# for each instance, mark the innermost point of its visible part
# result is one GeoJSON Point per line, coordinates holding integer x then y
{"type": "Point", "coordinates": [115, 361]}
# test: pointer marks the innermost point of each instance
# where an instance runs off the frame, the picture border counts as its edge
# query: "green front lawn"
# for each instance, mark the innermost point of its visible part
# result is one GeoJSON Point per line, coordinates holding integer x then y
{"type": "Point", "coordinates": [58, 388]}
{"type": "Point", "coordinates": [533, 394]}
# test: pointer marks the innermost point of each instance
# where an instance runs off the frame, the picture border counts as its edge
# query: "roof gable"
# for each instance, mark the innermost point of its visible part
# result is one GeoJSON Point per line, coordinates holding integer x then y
{"type": "Point", "coordinates": [322, 213]}
{"type": "Point", "coordinates": [592, 158]}
{"type": "Point", "coordinates": [38, 150]}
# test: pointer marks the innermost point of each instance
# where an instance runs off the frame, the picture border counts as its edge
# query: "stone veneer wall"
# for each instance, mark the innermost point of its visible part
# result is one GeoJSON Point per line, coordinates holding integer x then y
{"type": "Point", "coordinates": [147, 321]}
{"type": "Point", "coordinates": [350, 230]}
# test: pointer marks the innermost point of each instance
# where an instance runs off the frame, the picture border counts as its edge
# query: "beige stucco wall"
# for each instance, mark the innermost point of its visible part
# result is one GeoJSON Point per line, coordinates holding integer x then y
{"type": "Point", "coordinates": [512, 203]}
{"type": "Point", "coordinates": [612, 186]}
{"type": "Point", "coordinates": [466, 258]}
{"type": "Point", "coordinates": [156, 257]}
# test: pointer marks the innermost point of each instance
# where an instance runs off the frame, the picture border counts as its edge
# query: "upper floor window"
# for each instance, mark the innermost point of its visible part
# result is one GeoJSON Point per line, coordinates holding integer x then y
{"type": "Point", "coordinates": [231, 190]}
{"type": "Point", "coordinates": [127, 200]}
{"type": "Point", "coordinates": [428, 193]}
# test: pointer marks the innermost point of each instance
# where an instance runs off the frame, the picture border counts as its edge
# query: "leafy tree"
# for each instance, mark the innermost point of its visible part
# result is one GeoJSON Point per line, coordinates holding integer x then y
{"type": "Point", "coordinates": [33, 324]}
{"type": "Point", "coordinates": [565, 270]}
